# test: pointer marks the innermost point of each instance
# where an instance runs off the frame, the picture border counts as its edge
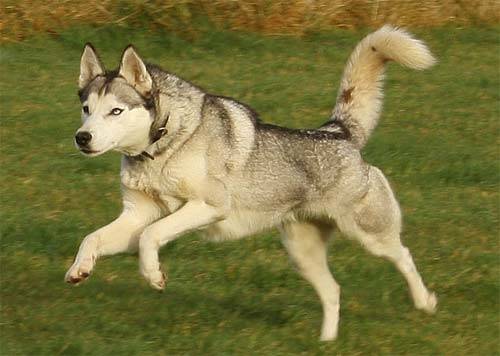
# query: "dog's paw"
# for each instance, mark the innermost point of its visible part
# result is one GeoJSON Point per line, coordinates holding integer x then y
{"type": "Point", "coordinates": [328, 335]}
{"type": "Point", "coordinates": [329, 329]}
{"type": "Point", "coordinates": [79, 271]}
{"type": "Point", "coordinates": [156, 279]}
{"type": "Point", "coordinates": [430, 305]}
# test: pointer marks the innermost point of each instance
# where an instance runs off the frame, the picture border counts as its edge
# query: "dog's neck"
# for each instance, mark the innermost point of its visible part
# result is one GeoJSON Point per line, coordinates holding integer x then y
{"type": "Point", "coordinates": [157, 134]}
{"type": "Point", "coordinates": [175, 121]}
{"type": "Point", "coordinates": [176, 130]}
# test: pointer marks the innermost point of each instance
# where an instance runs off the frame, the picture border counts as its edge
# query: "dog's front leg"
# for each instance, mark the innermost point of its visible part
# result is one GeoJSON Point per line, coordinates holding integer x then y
{"type": "Point", "coordinates": [121, 235]}
{"type": "Point", "coordinates": [192, 216]}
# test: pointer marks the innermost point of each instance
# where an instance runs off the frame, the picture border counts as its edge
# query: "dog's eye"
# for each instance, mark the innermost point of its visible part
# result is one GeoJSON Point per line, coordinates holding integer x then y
{"type": "Point", "coordinates": [85, 110]}
{"type": "Point", "coordinates": [116, 111]}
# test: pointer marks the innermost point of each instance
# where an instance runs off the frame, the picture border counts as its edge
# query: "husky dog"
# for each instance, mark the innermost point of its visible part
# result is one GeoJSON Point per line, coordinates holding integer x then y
{"type": "Point", "coordinates": [196, 161]}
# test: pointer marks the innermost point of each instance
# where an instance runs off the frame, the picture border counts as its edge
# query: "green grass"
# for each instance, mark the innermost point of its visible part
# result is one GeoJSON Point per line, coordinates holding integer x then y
{"type": "Point", "coordinates": [437, 142]}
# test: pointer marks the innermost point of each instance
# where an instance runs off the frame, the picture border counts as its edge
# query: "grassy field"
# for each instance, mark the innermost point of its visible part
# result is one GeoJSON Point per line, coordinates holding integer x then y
{"type": "Point", "coordinates": [437, 143]}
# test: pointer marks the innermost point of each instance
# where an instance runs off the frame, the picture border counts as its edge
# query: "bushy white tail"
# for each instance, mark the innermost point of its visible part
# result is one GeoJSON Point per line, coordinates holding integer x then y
{"type": "Point", "coordinates": [359, 99]}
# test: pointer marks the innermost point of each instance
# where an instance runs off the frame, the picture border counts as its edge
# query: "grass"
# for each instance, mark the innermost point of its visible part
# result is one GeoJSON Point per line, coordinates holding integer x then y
{"type": "Point", "coordinates": [437, 143]}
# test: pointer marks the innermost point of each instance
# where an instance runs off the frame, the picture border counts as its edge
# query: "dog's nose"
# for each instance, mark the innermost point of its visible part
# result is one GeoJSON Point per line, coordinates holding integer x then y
{"type": "Point", "coordinates": [83, 138]}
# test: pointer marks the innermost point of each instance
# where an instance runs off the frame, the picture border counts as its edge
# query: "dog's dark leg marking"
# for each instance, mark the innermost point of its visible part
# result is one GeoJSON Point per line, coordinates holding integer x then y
{"type": "Point", "coordinates": [74, 280]}
{"type": "Point", "coordinates": [347, 95]}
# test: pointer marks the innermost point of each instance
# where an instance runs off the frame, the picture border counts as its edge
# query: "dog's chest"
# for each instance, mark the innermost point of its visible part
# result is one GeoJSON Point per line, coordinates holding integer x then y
{"type": "Point", "coordinates": [138, 175]}
{"type": "Point", "coordinates": [161, 180]}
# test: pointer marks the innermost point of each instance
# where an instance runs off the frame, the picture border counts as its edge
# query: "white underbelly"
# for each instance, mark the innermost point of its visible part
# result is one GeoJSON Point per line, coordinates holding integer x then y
{"type": "Point", "coordinates": [242, 223]}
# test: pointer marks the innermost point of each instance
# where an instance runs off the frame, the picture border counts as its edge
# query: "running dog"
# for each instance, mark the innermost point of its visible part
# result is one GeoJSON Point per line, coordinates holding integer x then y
{"type": "Point", "coordinates": [196, 161]}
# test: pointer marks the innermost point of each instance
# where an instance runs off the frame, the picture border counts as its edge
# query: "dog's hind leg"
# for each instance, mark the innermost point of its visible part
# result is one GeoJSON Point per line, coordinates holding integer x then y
{"type": "Point", "coordinates": [376, 222]}
{"type": "Point", "coordinates": [306, 244]}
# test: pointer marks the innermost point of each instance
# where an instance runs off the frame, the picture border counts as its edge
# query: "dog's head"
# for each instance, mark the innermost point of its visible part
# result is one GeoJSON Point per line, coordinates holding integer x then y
{"type": "Point", "coordinates": [117, 106]}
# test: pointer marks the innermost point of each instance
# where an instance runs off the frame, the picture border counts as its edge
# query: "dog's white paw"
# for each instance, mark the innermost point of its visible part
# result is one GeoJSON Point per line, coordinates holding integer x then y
{"type": "Point", "coordinates": [79, 271]}
{"type": "Point", "coordinates": [328, 336]}
{"type": "Point", "coordinates": [156, 279]}
{"type": "Point", "coordinates": [329, 331]}
{"type": "Point", "coordinates": [430, 304]}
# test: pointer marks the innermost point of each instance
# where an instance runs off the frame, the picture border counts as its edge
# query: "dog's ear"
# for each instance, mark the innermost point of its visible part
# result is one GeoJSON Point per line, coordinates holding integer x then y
{"type": "Point", "coordinates": [90, 66]}
{"type": "Point", "coordinates": [133, 69]}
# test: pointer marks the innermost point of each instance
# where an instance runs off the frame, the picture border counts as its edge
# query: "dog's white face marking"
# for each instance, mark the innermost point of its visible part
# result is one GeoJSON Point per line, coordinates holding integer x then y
{"type": "Point", "coordinates": [114, 125]}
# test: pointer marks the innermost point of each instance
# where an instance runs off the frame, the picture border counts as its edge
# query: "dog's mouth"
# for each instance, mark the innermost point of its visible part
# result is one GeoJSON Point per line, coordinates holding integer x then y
{"type": "Point", "coordinates": [89, 152]}
{"type": "Point", "coordinates": [92, 153]}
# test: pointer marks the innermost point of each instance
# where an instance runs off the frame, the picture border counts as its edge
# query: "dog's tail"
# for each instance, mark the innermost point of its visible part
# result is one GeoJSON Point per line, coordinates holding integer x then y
{"type": "Point", "coordinates": [359, 99]}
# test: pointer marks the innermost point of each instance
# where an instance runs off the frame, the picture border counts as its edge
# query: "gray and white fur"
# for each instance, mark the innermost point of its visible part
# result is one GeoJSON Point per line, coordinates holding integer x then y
{"type": "Point", "coordinates": [196, 161]}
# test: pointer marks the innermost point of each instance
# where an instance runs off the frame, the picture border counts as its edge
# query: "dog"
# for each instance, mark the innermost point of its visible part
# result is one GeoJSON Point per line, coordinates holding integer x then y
{"type": "Point", "coordinates": [194, 161]}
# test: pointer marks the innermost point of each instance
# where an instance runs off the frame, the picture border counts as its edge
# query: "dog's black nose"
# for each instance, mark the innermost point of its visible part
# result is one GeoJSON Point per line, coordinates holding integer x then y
{"type": "Point", "coordinates": [83, 138]}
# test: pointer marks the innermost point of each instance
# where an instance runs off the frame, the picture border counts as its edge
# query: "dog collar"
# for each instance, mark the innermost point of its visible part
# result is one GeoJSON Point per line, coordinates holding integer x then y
{"type": "Point", "coordinates": [145, 154]}
{"type": "Point", "coordinates": [161, 132]}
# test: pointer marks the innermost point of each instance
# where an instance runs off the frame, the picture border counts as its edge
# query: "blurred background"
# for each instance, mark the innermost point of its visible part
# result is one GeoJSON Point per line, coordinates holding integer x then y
{"type": "Point", "coordinates": [437, 142]}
